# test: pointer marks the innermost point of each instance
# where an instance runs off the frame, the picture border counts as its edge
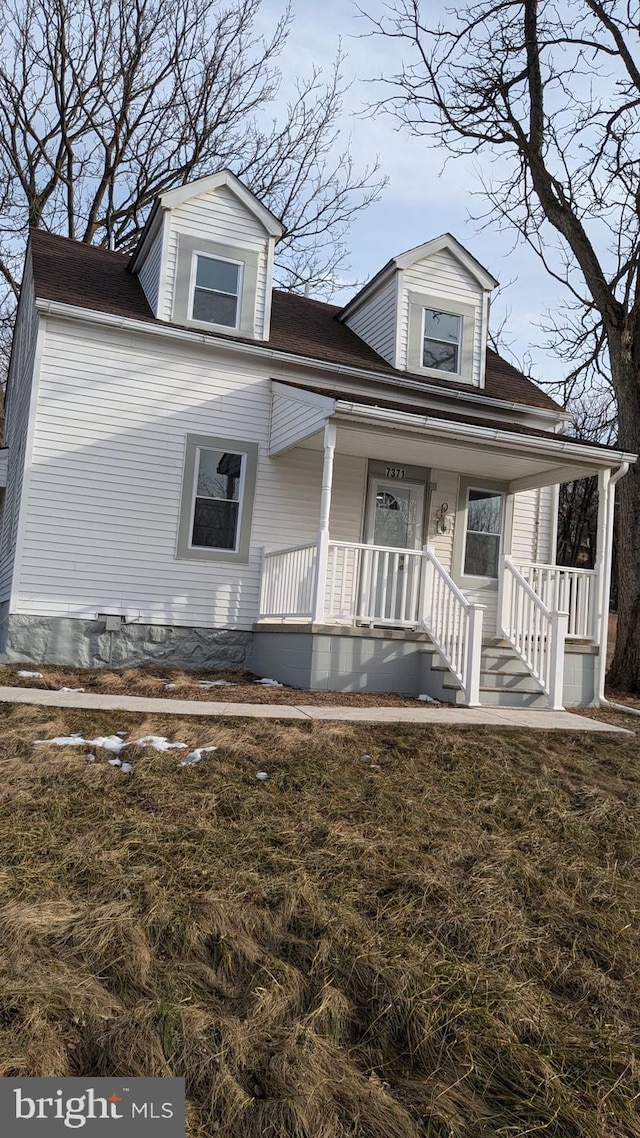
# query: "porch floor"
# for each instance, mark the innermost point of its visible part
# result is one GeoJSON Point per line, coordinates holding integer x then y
{"type": "Point", "coordinates": [442, 716]}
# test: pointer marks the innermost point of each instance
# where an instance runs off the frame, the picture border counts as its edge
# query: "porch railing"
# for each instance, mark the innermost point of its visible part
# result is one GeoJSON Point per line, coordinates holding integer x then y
{"type": "Point", "coordinates": [454, 624]}
{"type": "Point", "coordinates": [373, 584]}
{"type": "Point", "coordinates": [564, 589]}
{"type": "Point", "coordinates": [536, 633]}
{"type": "Point", "coordinates": [288, 581]}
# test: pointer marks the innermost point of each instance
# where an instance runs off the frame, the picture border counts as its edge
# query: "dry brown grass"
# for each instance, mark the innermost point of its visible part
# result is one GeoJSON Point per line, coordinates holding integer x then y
{"type": "Point", "coordinates": [446, 945]}
{"type": "Point", "coordinates": [150, 680]}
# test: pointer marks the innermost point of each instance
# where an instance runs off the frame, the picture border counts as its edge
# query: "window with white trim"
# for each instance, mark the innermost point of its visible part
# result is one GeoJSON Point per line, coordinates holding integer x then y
{"type": "Point", "coordinates": [485, 514]}
{"type": "Point", "coordinates": [217, 500]}
{"type": "Point", "coordinates": [441, 340]}
{"type": "Point", "coordinates": [216, 292]}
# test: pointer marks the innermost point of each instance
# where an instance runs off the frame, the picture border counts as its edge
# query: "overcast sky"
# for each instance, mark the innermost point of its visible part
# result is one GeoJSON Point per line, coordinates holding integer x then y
{"type": "Point", "coordinates": [419, 202]}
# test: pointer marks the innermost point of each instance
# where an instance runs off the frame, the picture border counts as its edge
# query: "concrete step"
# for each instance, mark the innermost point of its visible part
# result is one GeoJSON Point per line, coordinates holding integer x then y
{"type": "Point", "coordinates": [509, 681]}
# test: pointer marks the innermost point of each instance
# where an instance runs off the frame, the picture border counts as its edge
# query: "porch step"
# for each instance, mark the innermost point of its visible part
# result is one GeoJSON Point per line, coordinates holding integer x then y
{"type": "Point", "coordinates": [504, 679]}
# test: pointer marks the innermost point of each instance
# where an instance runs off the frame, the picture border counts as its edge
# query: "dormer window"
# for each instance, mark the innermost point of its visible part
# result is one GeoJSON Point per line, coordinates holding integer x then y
{"type": "Point", "coordinates": [442, 338]}
{"type": "Point", "coordinates": [217, 288]}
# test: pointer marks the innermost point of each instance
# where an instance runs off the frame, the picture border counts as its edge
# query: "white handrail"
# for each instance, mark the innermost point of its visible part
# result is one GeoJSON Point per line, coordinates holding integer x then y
{"type": "Point", "coordinates": [536, 633]}
{"type": "Point", "coordinates": [454, 624]}
{"type": "Point", "coordinates": [563, 588]}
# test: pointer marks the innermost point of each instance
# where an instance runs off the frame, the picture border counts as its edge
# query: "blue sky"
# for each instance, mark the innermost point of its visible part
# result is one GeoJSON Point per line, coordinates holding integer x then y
{"type": "Point", "coordinates": [421, 201]}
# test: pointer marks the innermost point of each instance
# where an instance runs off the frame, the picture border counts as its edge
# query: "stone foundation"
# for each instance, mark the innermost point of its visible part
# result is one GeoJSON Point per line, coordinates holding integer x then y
{"type": "Point", "coordinates": [87, 644]}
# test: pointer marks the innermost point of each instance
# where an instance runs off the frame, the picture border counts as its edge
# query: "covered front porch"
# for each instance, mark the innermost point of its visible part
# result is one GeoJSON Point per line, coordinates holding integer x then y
{"type": "Point", "coordinates": [455, 552]}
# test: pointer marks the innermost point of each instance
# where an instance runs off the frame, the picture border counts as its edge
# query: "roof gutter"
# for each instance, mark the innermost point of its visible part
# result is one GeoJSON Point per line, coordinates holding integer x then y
{"type": "Point", "coordinates": [554, 445]}
{"type": "Point", "coordinates": [89, 315]}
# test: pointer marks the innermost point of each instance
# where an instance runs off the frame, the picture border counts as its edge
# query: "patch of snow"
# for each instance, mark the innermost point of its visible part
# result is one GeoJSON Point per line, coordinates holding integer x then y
{"type": "Point", "coordinates": [262, 776]}
{"type": "Point", "coordinates": [365, 758]}
{"type": "Point", "coordinates": [108, 743]}
{"type": "Point", "coordinates": [270, 683]}
{"type": "Point", "coordinates": [115, 762]}
{"type": "Point", "coordinates": [195, 756]}
{"type": "Point", "coordinates": [122, 734]}
{"type": "Point", "coordinates": [71, 689]}
{"type": "Point", "coordinates": [168, 687]}
{"type": "Point", "coordinates": [30, 675]}
{"type": "Point", "coordinates": [90, 758]}
{"type": "Point", "coordinates": [217, 684]}
{"type": "Point", "coordinates": [64, 740]}
{"type": "Point", "coordinates": [124, 767]}
{"type": "Point", "coordinates": [159, 742]}
{"type": "Point", "coordinates": [424, 698]}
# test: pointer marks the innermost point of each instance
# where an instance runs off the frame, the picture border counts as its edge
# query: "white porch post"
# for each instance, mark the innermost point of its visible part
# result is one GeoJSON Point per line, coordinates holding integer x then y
{"type": "Point", "coordinates": [606, 503]}
{"type": "Point", "coordinates": [325, 511]}
{"type": "Point", "coordinates": [559, 626]}
{"type": "Point", "coordinates": [474, 653]}
{"type": "Point", "coordinates": [602, 543]}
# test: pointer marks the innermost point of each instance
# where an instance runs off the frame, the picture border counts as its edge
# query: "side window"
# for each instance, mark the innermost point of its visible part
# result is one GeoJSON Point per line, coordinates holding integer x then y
{"type": "Point", "coordinates": [485, 514]}
{"type": "Point", "coordinates": [217, 288]}
{"type": "Point", "coordinates": [217, 499]}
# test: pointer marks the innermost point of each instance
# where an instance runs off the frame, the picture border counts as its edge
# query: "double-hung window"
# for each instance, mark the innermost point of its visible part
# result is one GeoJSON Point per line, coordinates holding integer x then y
{"type": "Point", "coordinates": [442, 339]}
{"type": "Point", "coordinates": [217, 288]}
{"type": "Point", "coordinates": [485, 512]}
{"type": "Point", "coordinates": [218, 488]}
{"type": "Point", "coordinates": [217, 499]}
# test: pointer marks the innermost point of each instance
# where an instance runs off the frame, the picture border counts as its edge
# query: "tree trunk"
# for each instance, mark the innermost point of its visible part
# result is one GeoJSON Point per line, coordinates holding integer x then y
{"type": "Point", "coordinates": [625, 668]}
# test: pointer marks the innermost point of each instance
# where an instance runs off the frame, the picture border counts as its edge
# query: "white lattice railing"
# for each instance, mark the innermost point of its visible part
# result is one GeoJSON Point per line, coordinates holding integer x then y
{"type": "Point", "coordinates": [536, 633]}
{"type": "Point", "coordinates": [288, 581]}
{"type": "Point", "coordinates": [564, 589]}
{"type": "Point", "coordinates": [454, 624]}
{"type": "Point", "coordinates": [373, 584]}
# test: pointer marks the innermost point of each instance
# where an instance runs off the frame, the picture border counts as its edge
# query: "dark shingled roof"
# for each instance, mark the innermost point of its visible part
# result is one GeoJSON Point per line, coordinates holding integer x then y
{"type": "Point", "coordinates": [91, 277]}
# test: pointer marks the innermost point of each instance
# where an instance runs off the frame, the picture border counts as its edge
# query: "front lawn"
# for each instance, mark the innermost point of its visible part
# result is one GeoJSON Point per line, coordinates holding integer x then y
{"type": "Point", "coordinates": [401, 932]}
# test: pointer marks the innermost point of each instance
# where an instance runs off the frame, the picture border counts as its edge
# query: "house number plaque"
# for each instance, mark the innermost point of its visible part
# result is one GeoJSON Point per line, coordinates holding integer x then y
{"type": "Point", "coordinates": [395, 472]}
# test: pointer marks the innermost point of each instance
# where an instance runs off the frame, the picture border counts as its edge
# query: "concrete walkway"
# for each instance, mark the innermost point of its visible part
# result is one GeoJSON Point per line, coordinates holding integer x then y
{"type": "Point", "coordinates": [442, 716]}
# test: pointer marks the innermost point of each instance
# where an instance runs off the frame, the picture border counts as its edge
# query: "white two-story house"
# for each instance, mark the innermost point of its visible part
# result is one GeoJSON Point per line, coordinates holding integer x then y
{"type": "Point", "coordinates": [201, 469]}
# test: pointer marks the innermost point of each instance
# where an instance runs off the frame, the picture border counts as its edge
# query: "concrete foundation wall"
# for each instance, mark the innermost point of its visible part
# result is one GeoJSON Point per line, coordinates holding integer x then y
{"type": "Point", "coordinates": [87, 644]}
{"type": "Point", "coordinates": [579, 678]}
{"type": "Point", "coordinates": [341, 660]}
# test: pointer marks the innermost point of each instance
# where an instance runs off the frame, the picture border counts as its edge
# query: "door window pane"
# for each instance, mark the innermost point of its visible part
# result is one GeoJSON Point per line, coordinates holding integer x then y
{"type": "Point", "coordinates": [484, 530]}
{"type": "Point", "coordinates": [217, 504]}
{"type": "Point", "coordinates": [398, 517]}
{"type": "Point", "coordinates": [441, 345]}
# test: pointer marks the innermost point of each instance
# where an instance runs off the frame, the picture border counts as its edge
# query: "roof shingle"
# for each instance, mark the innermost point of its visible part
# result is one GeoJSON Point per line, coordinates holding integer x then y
{"type": "Point", "coordinates": [88, 276]}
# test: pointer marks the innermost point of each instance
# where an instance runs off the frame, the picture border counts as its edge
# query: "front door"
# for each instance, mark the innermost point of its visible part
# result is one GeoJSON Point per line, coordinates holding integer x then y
{"type": "Point", "coordinates": [395, 512]}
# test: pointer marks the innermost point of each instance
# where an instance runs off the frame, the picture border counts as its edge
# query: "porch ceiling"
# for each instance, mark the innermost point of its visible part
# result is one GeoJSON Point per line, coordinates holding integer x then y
{"type": "Point", "coordinates": [521, 463]}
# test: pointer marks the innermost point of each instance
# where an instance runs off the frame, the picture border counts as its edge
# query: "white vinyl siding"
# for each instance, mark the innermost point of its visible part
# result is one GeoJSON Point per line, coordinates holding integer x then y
{"type": "Point", "coordinates": [149, 272]}
{"type": "Point", "coordinates": [17, 426]}
{"type": "Point", "coordinates": [441, 275]}
{"type": "Point", "coordinates": [375, 321]}
{"type": "Point", "coordinates": [105, 490]}
{"type": "Point", "coordinates": [293, 420]}
{"type": "Point", "coordinates": [531, 536]}
{"type": "Point", "coordinates": [218, 216]}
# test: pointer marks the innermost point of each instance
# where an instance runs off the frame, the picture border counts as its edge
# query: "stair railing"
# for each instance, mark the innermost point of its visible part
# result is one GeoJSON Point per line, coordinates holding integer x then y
{"type": "Point", "coordinates": [536, 634]}
{"type": "Point", "coordinates": [454, 624]}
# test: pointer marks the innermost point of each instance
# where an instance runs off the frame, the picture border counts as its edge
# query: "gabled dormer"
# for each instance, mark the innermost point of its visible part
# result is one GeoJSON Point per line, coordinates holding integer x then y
{"type": "Point", "coordinates": [427, 312]}
{"type": "Point", "coordinates": [205, 259]}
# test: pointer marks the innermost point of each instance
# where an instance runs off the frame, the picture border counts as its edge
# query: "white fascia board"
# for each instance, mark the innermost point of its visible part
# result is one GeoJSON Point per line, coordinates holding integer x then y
{"type": "Point", "coordinates": [106, 319]}
{"type": "Point", "coordinates": [367, 290]}
{"type": "Point", "coordinates": [557, 446]}
{"type": "Point", "coordinates": [152, 225]}
{"type": "Point", "coordinates": [173, 198]}
{"type": "Point", "coordinates": [448, 242]}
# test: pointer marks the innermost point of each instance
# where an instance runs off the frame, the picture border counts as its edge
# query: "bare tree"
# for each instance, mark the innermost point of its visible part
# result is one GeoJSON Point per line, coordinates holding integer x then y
{"type": "Point", "coordinates": [551, 93]}
{"type": "Point", "coordinates": [106, 103]}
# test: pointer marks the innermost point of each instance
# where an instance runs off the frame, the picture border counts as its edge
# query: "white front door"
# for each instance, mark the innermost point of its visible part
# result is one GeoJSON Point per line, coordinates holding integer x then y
{"type": "Point", "coordinates": [394, 516]}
